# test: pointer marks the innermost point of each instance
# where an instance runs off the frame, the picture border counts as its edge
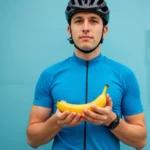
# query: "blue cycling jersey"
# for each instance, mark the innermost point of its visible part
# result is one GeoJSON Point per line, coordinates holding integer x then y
{"type": "Point", "coordinates": [78, 81]}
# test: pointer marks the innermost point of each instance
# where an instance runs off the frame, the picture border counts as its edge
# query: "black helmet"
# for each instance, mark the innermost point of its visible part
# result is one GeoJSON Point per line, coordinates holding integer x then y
{"type": "Point", "coordinates": [96, 6]}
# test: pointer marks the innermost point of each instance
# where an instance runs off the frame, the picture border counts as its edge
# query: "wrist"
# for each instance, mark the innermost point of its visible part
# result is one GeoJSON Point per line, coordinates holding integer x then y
{"type": "Point", "coordinates": [56, 122]}
{"type": "Point", "coordinates": [112, 125]}
{"type": "Point", "coordinates": [113, 116]}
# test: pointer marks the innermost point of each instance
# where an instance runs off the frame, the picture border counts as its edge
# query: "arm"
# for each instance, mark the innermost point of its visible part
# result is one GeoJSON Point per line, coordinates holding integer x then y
{"type": "Point", "coordinates": [41, 129]}
{"type": "Point", "coordinates": [132, 131]}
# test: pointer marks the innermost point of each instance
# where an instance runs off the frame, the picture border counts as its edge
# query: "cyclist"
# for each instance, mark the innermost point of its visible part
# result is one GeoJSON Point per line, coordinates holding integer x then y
{"type": "Point", "coordinates": [80, 79]}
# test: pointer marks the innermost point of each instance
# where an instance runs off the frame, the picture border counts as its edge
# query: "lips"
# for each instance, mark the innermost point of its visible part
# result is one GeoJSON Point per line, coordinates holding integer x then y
{"type": "Point", "coordinates": [85, 37]}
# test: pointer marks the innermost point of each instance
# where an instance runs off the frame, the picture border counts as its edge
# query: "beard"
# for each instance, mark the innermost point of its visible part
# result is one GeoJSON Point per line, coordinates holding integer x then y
{"type": "Point", "coordinates": [87, 49]}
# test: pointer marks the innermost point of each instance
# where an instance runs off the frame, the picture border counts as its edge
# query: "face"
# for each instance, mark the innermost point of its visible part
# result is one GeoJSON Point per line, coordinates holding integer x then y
{"type": "Point", "coordinates": [86, 30]}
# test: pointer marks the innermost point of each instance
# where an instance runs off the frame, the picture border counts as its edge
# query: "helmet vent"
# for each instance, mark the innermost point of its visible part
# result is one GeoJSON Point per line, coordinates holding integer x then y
{"type": "Point", "coordinates": [92, 1]}
{"type": "Point", "coordinates": [100, 2]}
{"type": "Point", "coordinates": [105, 9]}
{"type": "Point", "coordinates": [68, 8]}
{"type": "Point", "coordinates": [80, 2]}
{"type": "Point", "coordinates": [72, 2]}
{"type": "Point", "coordinates": [86, 1]}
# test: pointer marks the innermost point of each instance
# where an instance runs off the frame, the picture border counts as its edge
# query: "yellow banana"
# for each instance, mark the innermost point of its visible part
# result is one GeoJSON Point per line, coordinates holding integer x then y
{"type": "Point", "coordinates": [79, 108]}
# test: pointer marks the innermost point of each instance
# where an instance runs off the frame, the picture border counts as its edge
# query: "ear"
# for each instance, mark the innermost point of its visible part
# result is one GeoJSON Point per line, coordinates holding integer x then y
{"type": "Point", "coordinates": [105, 31]}
{"type": "Point", "coordinates": [69, 30]}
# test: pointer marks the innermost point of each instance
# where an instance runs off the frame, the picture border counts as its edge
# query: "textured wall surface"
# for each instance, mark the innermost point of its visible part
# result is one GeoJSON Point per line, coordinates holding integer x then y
{"type": "Point", "coordinates": [33, 35]}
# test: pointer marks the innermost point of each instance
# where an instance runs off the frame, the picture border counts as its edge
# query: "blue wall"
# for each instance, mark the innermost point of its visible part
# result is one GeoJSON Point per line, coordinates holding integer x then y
{"type": "Point", "coordinates": [33, 35]}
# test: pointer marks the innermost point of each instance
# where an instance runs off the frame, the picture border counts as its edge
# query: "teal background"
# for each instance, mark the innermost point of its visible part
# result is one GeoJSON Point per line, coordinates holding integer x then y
{"type": "Point", "coordinates": [33, 35]}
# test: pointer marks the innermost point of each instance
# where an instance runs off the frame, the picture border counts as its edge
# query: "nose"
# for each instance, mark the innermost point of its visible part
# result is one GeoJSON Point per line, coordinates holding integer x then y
{"type": "Point", "coordinates": [85, 27]}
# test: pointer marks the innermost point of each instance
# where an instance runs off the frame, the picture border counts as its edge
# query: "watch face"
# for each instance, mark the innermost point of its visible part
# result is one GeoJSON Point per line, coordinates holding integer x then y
{"type": "Point", "coordinates": [115, 124]}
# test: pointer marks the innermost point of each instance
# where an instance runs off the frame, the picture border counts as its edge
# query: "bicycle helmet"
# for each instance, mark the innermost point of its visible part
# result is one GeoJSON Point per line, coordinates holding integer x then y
{"type": "Point", "coordinates": [96, 6]}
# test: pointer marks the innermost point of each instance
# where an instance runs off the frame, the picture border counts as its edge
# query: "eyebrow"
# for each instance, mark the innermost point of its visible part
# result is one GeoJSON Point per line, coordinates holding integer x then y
{"type": "Point", "coordinates": [77, 17]}
{"type": "Point", "coordinates": [91, 17]}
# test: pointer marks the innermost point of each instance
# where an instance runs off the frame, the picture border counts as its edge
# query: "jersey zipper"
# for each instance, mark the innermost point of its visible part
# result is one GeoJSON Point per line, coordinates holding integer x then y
{"type": "Point", "coordinates": [86, 100]}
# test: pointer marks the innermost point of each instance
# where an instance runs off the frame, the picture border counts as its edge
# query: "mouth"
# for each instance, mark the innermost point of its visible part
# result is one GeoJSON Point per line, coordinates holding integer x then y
{"type": "Point", "coordinates": [85, 37]}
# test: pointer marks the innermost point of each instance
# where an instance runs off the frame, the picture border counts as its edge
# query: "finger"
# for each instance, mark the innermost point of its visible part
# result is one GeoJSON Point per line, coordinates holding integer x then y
{"type": "Point", "coordinates": [109, 100]}
{"type": "Point", "coordinates": [95, 116]}
{"type": "Point", "coordinates": [69, 118]}
{"type": "Point", "coordinates": [97, 109]}
{"type": "Point", "coordinates": [91, 114]}
{"type": "Point", "coordinates": [80, 120]}
{"type": "Point", "coordinates": [62, 115]}
{"type": "Point", "coordinates": [76, 119]}
{"type": "Point", "coordinates": [101, 111]}
{"type": "Point", "coordinates": [89, 119]}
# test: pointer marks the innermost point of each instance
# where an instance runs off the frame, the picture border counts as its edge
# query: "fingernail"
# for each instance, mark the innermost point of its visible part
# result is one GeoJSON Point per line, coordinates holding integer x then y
{"type": "Point", "coordinates": [93, 106]}
{"type": "Point", "coordinates": [83, 115]}
{"type": "Point", "coordinates": [85, 110]}
{"type": "Point", "coordinates": [67, 112]}
{"type": "Point", "coordinates": [73, 114]}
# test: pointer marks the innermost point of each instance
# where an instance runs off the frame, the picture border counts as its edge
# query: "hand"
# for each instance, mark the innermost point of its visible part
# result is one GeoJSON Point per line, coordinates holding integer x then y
{"type": "Point", "coordinates": [68, 118]}
{"type": "Point", "coordinates": [100, 115]}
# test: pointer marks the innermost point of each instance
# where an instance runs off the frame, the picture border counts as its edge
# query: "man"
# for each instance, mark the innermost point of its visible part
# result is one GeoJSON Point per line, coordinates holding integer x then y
{"type": "Point", "coordinates": [80, 79]}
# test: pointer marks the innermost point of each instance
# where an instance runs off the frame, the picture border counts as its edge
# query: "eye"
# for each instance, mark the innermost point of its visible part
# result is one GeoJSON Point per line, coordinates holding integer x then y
{"type": "Point", "coordinates": [78, 21]}
{"type": "Point", "coordinates": [94, 21]}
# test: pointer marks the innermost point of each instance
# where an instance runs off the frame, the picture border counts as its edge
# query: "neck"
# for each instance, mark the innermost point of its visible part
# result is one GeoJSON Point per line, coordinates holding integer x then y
{"type": "Point", "coordinates": [87, 56]}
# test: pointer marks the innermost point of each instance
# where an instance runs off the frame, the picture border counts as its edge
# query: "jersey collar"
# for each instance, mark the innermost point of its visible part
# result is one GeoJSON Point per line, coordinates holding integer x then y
{"type": "Point", "coordinates": [82, 61]}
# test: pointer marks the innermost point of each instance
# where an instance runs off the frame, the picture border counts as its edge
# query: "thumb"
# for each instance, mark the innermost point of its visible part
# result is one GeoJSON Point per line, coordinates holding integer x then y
{"type": "Point", "coordinates": [109, 101]}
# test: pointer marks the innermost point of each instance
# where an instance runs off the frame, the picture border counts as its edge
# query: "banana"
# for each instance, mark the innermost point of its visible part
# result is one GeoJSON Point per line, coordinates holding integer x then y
{"type": "Point", "coordinates": [79, 108]}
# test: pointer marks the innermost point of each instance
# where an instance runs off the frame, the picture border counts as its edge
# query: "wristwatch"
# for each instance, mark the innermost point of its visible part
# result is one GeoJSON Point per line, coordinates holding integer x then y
{"type": "Point", "coordinates": [114, 124]}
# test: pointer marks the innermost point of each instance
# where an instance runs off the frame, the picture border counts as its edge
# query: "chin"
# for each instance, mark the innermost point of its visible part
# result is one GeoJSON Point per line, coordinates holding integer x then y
{"type": "Point", "coordinates": [86, 47]}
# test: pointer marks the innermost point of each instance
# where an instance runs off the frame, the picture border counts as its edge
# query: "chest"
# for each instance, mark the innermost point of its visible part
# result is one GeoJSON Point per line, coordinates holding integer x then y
{"type": "Point", "coordinates": [83, 85]}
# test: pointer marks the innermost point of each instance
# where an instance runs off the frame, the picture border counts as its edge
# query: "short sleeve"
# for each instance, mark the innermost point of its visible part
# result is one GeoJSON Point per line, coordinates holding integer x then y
{"type": "Point", "coordinates": [42, 95]}
{"type": "Point", "coordinates": [131, 102]}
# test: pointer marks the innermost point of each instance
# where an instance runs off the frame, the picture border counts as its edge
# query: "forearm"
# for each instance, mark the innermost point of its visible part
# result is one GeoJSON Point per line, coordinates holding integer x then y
{"type": "Point", "coordinates": [41, 133]}
{"type": "Point", "coordinates": [133, 135]}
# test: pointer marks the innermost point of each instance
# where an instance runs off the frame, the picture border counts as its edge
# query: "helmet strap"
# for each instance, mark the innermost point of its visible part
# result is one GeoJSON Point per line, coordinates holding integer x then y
{"type": "Point", "coordinates": [83, 50]}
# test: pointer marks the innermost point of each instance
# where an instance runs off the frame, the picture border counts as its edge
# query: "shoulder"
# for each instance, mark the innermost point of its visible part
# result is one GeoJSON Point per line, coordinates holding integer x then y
{"type": "Point", "coordinates": [122, 72]}
{"type": "Point", "coordinates": [47, 74]}
{"type": "Point", "coordinates": [118, 67]}
{"type": "Point", "coordinates": [56, 66]}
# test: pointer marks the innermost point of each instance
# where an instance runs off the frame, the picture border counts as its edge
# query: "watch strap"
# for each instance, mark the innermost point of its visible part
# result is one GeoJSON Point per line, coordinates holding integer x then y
{"type": "Point", "coordinates": [114, 123]}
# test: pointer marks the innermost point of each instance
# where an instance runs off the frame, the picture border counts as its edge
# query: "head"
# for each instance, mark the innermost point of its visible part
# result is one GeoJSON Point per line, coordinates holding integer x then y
{"type": "Point", "coordinates": [87, 21]}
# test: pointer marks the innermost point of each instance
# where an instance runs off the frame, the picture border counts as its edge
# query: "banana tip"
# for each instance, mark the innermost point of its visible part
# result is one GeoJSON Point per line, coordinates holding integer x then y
{"type": "Point", "coordinates": [107, 85]}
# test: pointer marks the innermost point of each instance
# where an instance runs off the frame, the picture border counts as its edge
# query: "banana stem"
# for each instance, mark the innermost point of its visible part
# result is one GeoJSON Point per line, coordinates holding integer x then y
{"type": "Point", "coordinates": [105, 89]}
